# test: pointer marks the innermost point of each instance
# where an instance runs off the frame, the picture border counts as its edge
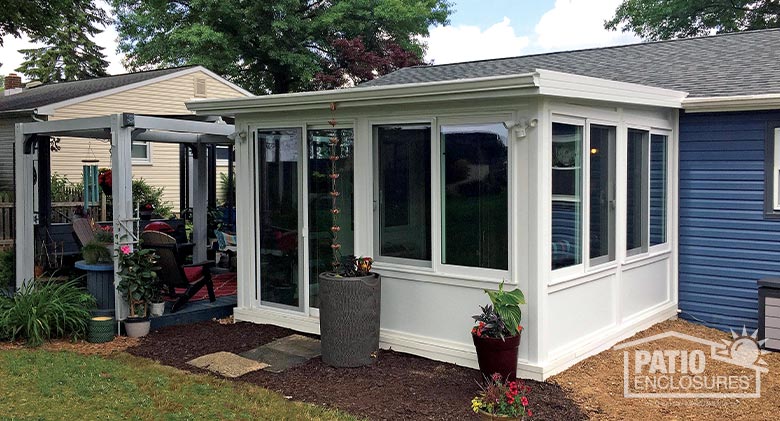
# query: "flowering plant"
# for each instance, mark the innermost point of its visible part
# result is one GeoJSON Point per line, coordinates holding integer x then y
{"type": "Point", "coordinates": [502, 318]}
{"type": "Point", "coordinates": [105, 180]}
{"type": "Point", "coordinates": [104, 234]}
{"type": "Point", "coordinates": [500, 397]}
{"type": "Point", "coordinates": [137, 270]}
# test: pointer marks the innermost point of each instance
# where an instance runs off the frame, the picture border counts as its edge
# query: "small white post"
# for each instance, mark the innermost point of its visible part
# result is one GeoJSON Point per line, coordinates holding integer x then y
{"type": "Point", "coordinates": [122, 190]}
{"type": "Point", "coordinates": [199, 203]}
{"type": "Point", "coordinates": [24, 236]}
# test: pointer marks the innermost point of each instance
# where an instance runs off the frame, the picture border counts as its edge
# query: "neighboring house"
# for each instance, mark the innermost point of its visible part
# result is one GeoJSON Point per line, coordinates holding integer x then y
{"type": "Point", "coordinates": [615, 187]}
{"type": "Point", "coordinates": [156, 92]}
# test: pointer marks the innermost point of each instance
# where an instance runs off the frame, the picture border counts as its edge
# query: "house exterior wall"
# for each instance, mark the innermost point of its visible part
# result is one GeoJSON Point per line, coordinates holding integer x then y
{"type": "Point", "coordinates": [166, 97]}
{"type": "Point", "coordinates": [7, 139]}
{"type": "Point", "coordinates": [726, 243]}
{"type": "Point", "coordinates": [569, 315]}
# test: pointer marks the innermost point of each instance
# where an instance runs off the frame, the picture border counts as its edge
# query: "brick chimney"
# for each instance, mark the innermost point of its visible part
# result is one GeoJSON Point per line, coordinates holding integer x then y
{"type": "Point", "coordinates": [13, 81]}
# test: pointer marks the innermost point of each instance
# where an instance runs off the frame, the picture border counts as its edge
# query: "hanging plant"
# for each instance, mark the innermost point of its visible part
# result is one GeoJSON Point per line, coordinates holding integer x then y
{"type": "Point", "coordinates": [105, 180]}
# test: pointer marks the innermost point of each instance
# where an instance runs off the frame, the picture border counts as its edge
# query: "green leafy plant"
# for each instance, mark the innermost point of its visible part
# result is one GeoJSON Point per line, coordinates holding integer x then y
{"type": "Point", "coordinates": [42, 310]}
{"type": "Point", "coordinates": [7, 267]}
{"type": "Point", "coordinates": [138, 273]}
{"type": "Point", "coordinates": [227, 185]}
{"type": "Point", "coordinates": [145, 194]}
{"type": "Point", "coordinates": [503, 398]}
{"type": "Point", "coordinates": [506, 305]}
{"type": "Point", "coordinates": [96, 252]}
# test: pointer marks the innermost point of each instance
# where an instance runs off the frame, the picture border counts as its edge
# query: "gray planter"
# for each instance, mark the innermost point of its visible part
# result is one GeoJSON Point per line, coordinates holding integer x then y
{"type": "Point", "coordinates": [137, 327]}
{"type": "Point", "coordinates": [100, 283]}
{"type": "Point", "coordinates": [349, 319]}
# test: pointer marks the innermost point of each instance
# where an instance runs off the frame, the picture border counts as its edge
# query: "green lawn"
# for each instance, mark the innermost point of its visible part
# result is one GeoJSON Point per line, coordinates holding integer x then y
{"type": "Point", "coordinates": [38, 384]}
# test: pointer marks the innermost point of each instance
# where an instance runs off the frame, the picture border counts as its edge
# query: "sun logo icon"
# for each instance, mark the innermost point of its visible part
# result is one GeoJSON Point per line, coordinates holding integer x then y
{"type": "Point", "coordinates": [744, 350]}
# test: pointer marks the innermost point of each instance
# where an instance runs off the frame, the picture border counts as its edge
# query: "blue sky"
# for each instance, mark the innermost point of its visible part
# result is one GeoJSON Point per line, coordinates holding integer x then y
{"type": "Point", "coordinates": [479, 29]}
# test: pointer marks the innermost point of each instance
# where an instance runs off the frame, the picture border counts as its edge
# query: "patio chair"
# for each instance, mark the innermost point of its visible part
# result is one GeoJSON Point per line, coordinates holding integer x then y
{"type": "Point", "coordinates": [174, 273]}
{"type": "Point", "coordinates": [83, 231]}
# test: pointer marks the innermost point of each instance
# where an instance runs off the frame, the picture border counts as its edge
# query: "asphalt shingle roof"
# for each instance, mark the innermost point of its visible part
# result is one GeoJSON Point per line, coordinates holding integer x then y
{"type": "Point", "coordinates": [56, 92]}
{"type": "Point", "coordinates": [744, 63]}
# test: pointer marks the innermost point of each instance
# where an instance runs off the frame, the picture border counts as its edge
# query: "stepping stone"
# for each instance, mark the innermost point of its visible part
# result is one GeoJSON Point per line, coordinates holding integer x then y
{"type": "Point", "coordinates": [274, 360]}
{"type": "Point", "coordinates": [227, 364]}
{"type": "Point", "coordinates": [302, 346]}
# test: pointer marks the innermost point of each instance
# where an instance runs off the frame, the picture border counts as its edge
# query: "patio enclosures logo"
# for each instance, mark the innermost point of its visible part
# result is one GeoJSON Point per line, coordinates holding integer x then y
{"type": "Point", "coordinates": [676, 365]}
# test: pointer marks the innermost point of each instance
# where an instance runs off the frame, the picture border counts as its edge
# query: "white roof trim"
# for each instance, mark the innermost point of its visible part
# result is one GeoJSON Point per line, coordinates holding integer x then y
{"type": "Point", "coordinates": [732, 103]}
{"type": "Point", "coordinates": [51, 108]}
{"type": "Point", "coordinates": [540, 82]}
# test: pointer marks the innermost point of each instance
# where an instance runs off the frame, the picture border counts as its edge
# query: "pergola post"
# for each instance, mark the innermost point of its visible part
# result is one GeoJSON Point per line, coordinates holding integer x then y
{"type": "Point", "coordinates": [122, 190]}
{"type": "Point", "coordinates": [200, 202]}
{"type": "Point", "coordinates": [24, 246]}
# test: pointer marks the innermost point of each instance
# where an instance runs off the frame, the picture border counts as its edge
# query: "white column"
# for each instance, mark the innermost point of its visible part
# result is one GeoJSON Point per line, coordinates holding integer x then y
{"type": "Point", "coordinates": [122, 190]}
{"type": "Point", "coordinates": [199, 203]}
{"type": "Point", "coordinates": [245, 217]}
{"type": "Point", "coordinates": [24, 238]}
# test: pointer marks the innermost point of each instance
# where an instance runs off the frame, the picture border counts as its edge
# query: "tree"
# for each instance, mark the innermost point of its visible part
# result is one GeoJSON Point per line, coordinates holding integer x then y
{"type": "Point", "coordinates": [666, 19]}
{"type": "Point", "coordinates": [39, 17]}
{"type": "Point", "coordinates": [278, 46]}
{"type": "Point", "coordinates": [69, 53]}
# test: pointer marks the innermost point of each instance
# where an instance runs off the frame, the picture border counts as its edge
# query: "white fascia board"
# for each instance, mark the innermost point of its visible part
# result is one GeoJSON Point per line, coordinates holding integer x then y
{"type": "Point", "coordinates": [492, 87]}
{"type": "Point", "coordinates": [732, 103]}
{"type": "Point", "coordinates": [58, 127]}
{"type": "Point", "coordinates": [51, 108]}
{"type": "Point", "coordinates": [559, 84]}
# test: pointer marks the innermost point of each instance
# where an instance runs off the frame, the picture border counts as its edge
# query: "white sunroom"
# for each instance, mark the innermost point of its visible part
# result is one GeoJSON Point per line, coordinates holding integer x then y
{"type": "Point", "coordinates": [561, 185]}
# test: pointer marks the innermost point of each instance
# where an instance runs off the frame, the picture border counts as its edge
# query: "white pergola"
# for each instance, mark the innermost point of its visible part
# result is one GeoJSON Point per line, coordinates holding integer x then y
{"type": "Point", "coordinates": [121, 129]}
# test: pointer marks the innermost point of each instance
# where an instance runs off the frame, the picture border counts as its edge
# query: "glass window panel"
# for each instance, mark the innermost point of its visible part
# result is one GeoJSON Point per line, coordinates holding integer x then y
{"type": "Point", "coordinates": [222, 152]}
{"type": "Point", "coordinates": [602, 193]}
{"type": "Point", "coordinates": [404, 177]}
{"type": "Point", "coordinates": [139, 150]}
{"type": "Point", "coordinates": [277, 179]}
{"type": "Point", "coordinates": [320, 203]}
{"type": "Point", "coordinates": [637, 171]}
{"type": "Point", "coordinates": [566, 195]}
{"type": "Point", "coordinates": [658, 171]}
{"type": "Point", "coordinates": [475, 219]}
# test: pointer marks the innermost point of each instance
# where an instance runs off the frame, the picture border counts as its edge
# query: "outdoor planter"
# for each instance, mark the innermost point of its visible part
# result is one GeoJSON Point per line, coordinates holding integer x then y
{"type": "Point", "coordinates": [100, 283]}
{"type": "Point", "coordinates": [497, 356]}
{"type": "Point", "coordinates": [157, 309]}
{"type": "Point", "coordinates": [486, 416]}
{"type": "Point", "coordinates": [101, 329]}
{"type": "Point", "coordinates": [349, 318]}
{"type": "Point", "coordinates": [137, 327]}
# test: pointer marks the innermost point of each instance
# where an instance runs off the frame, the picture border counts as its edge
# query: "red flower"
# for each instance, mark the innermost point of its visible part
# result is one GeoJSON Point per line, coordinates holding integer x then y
{"type": "Point", "coordinates": [530, 414]}
{"type": "Point", "coordinates": [509, 398]}
{"type": "Point", "coordinates": [496, 377]}
{"type": "Point", "coordinates": [524, 401]}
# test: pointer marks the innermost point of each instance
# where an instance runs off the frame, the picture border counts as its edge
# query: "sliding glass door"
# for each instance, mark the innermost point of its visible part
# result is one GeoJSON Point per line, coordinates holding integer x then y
{"type": "Point", "coordinates": [278, 160]}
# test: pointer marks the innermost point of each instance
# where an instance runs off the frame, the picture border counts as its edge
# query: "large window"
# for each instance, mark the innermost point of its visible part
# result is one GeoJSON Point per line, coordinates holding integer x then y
{"type": "Point", "coordinates": [772, 171]}
{"type": "Point", "coordinates": [658, 182]}
{"type": "Point", "coordinates": [566, 195]}
{"type": "Point", "coordinates": [403, 214]}
{"type": "Point", "coordinates": [602, 194]}
{"type": "Point", "coordinates": [637, 195]}
{"type": "Point", "coordinates": [475, 218]}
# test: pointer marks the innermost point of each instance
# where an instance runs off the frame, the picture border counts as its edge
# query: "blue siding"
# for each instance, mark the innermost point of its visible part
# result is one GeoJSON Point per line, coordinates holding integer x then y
{"type": "Point", "coordinates": [726, 243]}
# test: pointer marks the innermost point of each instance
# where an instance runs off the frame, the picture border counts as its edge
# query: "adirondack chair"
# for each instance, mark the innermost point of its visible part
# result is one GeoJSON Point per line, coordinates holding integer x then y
{"type": "Point", "coordinates": [83, 231]}
{"type": "Point", "coordinates": [174, 273]}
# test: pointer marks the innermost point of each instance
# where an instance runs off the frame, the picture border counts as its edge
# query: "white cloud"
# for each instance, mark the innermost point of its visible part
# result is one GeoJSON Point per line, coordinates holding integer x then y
{"type": "Point", "coordinates": [451, 44]}
{"type": "Point", "coordinates": [573, 24]}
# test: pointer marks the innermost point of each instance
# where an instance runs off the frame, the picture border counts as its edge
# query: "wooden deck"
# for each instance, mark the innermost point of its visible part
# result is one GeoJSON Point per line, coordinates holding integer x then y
{"type": "Point", "coordinates": [196, 311]}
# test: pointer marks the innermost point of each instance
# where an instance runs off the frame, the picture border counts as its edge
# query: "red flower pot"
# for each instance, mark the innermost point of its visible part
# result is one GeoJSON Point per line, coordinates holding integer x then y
{"type": "Point", "coordinates": [497, 356]}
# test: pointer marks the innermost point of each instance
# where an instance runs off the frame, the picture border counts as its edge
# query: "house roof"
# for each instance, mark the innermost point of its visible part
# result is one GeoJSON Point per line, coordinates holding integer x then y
{"type": "Point", "coordinates": [57, 92]}
{"type": "Point", "coordinates": [735, 64]}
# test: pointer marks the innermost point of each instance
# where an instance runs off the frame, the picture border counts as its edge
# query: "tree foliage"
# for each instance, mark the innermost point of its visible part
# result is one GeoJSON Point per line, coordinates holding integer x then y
{"type": "Point", "coordinates": [38, 18]}
{"type": "Point", "coordinates": [667, 19]}
{"type": "Point", "coordinates": [282, 45]}
{"type": "Point", "coordinates": [69, 53]}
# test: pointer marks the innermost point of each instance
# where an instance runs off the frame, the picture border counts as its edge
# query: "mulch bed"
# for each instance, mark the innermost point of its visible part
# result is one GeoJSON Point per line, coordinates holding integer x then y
{"type": "Point", "coordinates": [399, 386]}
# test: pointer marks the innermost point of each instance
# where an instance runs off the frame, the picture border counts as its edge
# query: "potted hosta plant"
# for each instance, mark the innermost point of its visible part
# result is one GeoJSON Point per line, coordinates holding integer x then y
{"type": "Point", "coordinates": [497, 333]}
{"type": "Point", "coordinates": [350, 295]}
{"type": "Point", "coordinates": [138, 279]}
{"type": "Point", "coordinates": [501, 399]}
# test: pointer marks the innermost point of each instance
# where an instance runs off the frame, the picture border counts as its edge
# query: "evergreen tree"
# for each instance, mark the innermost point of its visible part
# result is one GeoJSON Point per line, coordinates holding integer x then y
{"type": "Point", "coordinates": [69, 52]}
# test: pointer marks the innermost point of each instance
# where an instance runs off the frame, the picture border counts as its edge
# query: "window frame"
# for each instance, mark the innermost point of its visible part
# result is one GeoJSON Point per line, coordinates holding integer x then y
{"type": "Point", "coordinates": [600, 261]}
{"type": "Point", "coordinates": [644, 246]}
{"type": "Point", "coordinates": [377, 248]}
{"type": "Point", "coordinates": [772, 170]}
{"type": "Point", "coordinates": [146, 160]}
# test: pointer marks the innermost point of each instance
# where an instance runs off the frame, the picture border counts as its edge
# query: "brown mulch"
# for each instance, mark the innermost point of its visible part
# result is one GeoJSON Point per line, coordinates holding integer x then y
{"type": "Point", "coordinates": [119, 344]}
{"type": "Point", "coordinates": [397, 387]}
{"type": "Point", "coordinates": [597, 384]}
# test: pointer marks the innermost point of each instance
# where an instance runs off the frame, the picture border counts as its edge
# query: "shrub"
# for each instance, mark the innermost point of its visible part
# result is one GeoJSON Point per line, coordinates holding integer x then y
{"type": "Point", "coordinates": [143, 193]}
{"type": "Point", "coordinates": [43, 310]}
{"type": "Point", "coordinates": [7, 268]}
{"type": "Point", "coordinates": [96, 252]}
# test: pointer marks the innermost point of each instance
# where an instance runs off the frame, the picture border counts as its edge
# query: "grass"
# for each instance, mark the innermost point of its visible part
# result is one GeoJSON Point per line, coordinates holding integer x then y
{"type": "Point", "coordinates": [38, 384]}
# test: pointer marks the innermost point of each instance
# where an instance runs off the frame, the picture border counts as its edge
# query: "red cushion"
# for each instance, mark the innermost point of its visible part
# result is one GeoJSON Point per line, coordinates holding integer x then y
{"type": "Point", "coordinates": [160, 227]}
{"type": "Point", "coordinates": [193, 273]}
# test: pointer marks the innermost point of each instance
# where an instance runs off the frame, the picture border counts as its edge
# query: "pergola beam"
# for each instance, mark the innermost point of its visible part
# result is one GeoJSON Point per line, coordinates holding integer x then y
{"type": "Point", "coordinates": [184, 126]}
